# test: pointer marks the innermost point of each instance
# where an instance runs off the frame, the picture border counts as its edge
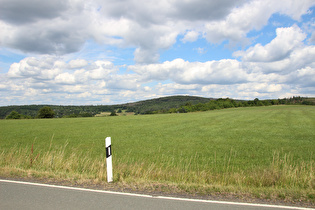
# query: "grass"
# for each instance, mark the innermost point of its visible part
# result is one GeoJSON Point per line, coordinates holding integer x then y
{"type": "Point", "coordinates": [265, 152]}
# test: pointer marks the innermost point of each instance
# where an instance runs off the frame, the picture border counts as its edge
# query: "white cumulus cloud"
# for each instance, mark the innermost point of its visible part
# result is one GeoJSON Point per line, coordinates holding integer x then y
{"type": "Point", "coordinates": [54, 55]}
{"type": "Point", "coordinates": [279, 48]}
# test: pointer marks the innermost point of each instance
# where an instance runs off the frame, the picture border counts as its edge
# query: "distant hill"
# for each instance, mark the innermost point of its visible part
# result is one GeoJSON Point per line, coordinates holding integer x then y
{"type": "Point", "coordinates": [140, 107]}
{"type": "Point", "coordinates": [164, 103]}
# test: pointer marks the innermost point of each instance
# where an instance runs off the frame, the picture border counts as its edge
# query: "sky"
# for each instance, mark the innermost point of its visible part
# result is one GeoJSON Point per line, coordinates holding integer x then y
{"type": "Point", "coordinates": [103, 52]}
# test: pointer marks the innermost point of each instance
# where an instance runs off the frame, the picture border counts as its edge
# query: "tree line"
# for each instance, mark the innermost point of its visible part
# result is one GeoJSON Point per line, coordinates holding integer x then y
{"type": "Point", "coordinates": [221, 103]}
{"type": "Point", "coordinates": [45, 112]}
{"type": "Point", "coordinates": [31, 111]}
{"type": "Point", "coordinates": [171, 104]}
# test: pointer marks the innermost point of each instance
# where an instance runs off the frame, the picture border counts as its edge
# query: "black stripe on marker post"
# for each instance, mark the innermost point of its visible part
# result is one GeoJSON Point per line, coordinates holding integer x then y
{"type": "Point", "coordinates": [108, 151]}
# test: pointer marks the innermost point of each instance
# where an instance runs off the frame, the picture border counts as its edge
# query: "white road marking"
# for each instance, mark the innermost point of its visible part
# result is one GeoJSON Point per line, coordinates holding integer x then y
{"type": "Point", "coordinates": [157, 197]}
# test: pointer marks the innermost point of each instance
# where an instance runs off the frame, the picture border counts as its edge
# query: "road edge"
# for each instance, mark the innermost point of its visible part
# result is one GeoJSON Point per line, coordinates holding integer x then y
{"type": "Point", "coordinates": [154, 196]}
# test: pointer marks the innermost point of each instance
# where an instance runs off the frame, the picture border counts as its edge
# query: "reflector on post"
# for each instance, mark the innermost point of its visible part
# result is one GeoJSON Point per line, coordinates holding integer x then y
{"type": "Point", "coordinates": [108, 146]}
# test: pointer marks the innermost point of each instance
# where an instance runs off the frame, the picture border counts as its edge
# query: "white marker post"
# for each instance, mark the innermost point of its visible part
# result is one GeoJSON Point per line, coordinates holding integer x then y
{"type": "Point", "coordinates": [108, 146]}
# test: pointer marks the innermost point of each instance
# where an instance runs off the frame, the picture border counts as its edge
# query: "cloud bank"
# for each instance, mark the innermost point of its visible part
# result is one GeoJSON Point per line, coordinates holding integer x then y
{"type": "Point", "coordinates": [50, 34]}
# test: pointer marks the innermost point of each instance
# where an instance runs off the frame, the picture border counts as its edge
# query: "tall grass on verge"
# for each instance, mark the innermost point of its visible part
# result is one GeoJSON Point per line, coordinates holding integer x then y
{"type": "Point", "coordinates": [281, 172]}
{"type": "Point", "coordinates": [53, 164]}
{"type": "Point", "coordinates": [78, 166]}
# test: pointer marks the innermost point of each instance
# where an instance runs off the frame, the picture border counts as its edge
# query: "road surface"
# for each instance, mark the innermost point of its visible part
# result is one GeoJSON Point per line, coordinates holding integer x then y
{"type": "Point", "coordinates": [25, 195]}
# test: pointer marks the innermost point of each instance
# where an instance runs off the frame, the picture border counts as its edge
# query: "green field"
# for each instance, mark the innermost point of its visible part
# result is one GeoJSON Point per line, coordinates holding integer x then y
{"type": "Point", "coordinates": [265, 152]}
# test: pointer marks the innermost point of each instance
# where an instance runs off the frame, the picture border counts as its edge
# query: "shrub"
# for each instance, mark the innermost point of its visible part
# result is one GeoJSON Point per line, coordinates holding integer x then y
{"type": "Point", "coordinates": [113, 113]}
{"type": "Point", "coordinates": [46, 112]}
{"type": "Point", "coordinates": [13, 115]}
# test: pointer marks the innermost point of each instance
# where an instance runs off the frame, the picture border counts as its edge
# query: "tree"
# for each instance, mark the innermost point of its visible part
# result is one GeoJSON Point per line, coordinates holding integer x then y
{"type": "Point", "coordinates": [257, 102]}
{"type": "Point", "coordinates": [13, 115]}
{"type": "Point", "coordinates": [46, 112]}
{"type": "Point", "coordinates": [85, 114]}
{"type": "Point", "coordinates": [113, 113]}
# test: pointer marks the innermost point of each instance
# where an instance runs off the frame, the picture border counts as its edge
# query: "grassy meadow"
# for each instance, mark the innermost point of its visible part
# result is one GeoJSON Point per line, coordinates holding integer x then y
{"type": "Point", "coordinates": [265, 152]}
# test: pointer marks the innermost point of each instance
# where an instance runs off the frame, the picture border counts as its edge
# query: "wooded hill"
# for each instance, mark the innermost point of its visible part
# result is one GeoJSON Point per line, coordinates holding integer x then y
{"type": "Point", "coordinates": [171, 104]}
{"type": "Point", "coordinates": [140, 107]}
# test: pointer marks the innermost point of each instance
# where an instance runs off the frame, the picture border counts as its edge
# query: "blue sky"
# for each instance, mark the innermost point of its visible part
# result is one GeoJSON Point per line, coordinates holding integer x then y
{"type": "Point", "coordinates": [111, 52]}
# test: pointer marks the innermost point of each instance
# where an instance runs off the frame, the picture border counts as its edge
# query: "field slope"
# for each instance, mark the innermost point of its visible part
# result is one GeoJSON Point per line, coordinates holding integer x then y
{"type": "Point", "coordinates": [265, 152]}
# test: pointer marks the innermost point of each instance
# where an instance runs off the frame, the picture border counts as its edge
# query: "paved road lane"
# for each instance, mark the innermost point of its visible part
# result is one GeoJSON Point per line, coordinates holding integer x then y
{"type": "Point", "coordinates": [21, 195]}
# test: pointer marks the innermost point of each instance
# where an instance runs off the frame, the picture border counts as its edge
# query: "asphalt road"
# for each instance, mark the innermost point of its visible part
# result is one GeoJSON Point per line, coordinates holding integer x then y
{"type": "Point", "coordinates": [23, 195]}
